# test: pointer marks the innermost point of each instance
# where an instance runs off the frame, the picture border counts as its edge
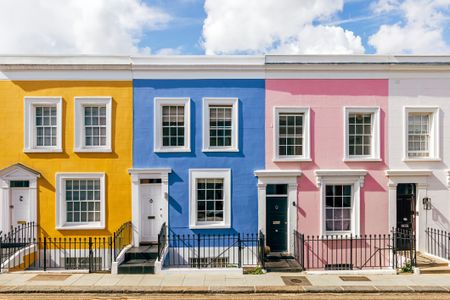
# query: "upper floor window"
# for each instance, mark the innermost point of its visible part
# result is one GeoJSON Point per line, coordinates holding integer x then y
{"type": "Point", "coordinates": [93, 124]}
{"type": "Point", "coordinates": [421, 133]}
{"type": "Point", "coordinates": [172, 126]}
{"type": "Point", "coordinates": [43, 117]}
{"type": "Point", "coordinates": [362, 133]}
{"type": "Point", "coordinates": [220, 124]}
{"type": "Point", "coordinates": [291, 133]}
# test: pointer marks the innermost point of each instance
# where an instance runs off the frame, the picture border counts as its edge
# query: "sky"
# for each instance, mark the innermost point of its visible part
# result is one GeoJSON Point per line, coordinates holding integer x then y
{"type": "Point", "coordinates": [222, 27]}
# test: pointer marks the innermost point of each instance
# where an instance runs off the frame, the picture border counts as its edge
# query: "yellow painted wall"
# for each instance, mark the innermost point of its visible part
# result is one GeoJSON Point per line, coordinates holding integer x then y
{"type": "Point", "coordinates": [115, 165]}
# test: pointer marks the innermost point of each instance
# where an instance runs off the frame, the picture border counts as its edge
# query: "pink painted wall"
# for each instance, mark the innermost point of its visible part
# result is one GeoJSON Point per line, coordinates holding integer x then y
{"type": "Point", "coordinates": [327, 99]}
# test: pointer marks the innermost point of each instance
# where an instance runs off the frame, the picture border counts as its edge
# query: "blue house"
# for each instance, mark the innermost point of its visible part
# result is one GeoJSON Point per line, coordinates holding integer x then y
{"type": "Point", "coordinates": [196, 145]}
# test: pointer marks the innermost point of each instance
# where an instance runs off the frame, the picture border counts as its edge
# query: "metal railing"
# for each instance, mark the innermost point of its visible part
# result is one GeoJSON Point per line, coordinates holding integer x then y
{"type": "Point", "coordinates": [16, 240]}
{"type": "Point", "coordinates": [438, 242]}
{"type": "Point", "coordinates": [262, 249]}
{"type": "Point", "coordinates": [122, 238]}
{"type": "Point", "coordinates": [213, 250]}
{"type": "Point", "coordinates": [162, 240]}
{"type": "Point", "coordinates": [349, 252]}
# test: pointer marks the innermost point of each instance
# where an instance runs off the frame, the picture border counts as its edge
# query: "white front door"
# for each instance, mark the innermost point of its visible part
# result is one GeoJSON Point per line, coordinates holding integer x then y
{"type": "Point", "coordinates": [19, 206]}
{"type": "Point", "coordinates": [151, 211]}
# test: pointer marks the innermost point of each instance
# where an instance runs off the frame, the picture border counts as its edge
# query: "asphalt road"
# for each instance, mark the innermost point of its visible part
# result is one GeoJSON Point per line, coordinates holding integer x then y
{"type": "Point", "coordinates": [371, 296]}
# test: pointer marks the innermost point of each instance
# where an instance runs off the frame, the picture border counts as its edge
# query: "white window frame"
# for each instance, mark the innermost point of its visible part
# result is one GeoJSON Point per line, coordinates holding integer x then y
{"type": "Point", "coordinates": [224, 174]}
{"type": "Point", "coordinates": [341, 177]}
{"type": "Point", "coordinates": [61, 223]}
{"type": "Point", "coordinates": [434, 132]}
{"type": "Point", "coordinates": [30, 127]}
{"type": "Point", "coordinates": [306, 133]}
{"type": "Point", "coordinates": [207, 101]}
{"type": "Point", "coordinates": [159, 102]}
{"type": "Point", "coordinates": [80, 143]}
{"type": "Point", "coordinates": [375, 143]}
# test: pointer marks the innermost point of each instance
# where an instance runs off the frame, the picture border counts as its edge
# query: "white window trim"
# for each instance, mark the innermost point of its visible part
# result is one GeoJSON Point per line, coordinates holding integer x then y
{"type": "Point", "coordinates": [30, 128]}
{"type": "Point", "coordinates": [207, 101]}
{"type": "Point", "coordinates": [434, 131]}
{"type": "Point", "coordinates": [225, 174]}
{"type": "Point", "coordinates": [306, 133]}
{"type": "Point", "coordinates": [61, 203]}
{"type": "Point", "coordinates": [376, 144]}
{"type": "Point", "coordinates": [336, 177]}
{"type": "Point", "coordinates": [159, 102]}
{"type": "Point", "coordinates": [79, 142]}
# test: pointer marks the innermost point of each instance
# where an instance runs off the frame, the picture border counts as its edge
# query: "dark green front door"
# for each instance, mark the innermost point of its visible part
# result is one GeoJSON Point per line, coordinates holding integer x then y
{"type": "Point", "coordinates": [276, 223]}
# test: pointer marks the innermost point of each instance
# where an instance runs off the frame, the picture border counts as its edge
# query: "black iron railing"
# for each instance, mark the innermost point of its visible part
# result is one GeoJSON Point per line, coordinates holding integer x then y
{"type": "Point", "coordinates": [162, 241]}
{"type": "Point", "coordinates": [122, 238]}
{"type": "Point", "coordinates": [262, 249]}
{"type": "Point", "coordinates": [16, 240]}
{"type": "Point", "coordinates": [349, 252]}
{"type": "Point", "coordinates": [438, 242]}
{"type": "Point", "coordinates": [213, 251]}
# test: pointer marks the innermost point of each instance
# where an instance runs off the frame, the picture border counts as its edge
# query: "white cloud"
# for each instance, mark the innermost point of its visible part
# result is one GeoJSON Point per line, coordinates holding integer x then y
{"type": "Point", "coordinates": [420, 31]}
{"type": "Point", "coordinates": [76, 26]}
{"type": "Point", "coordinates": [288, 26]}
{"type": "Point", "coordinates": [170, 51]}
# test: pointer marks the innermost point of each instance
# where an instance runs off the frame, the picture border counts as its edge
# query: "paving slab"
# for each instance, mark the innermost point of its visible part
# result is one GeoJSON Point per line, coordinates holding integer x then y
{"type": "Point", "coordinates": [88, 279]}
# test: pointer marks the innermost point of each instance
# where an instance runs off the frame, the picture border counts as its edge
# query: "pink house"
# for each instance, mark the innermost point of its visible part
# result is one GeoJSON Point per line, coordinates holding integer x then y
{"type": "Point", "coordinates": [325, 141]}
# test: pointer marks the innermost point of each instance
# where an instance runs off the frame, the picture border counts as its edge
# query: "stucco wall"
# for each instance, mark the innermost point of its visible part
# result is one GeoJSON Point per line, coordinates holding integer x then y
{"type": "Point", "coordinates": [115, 165]}
{"type": "Point", "coordinates": [242, 164]}
{"type": "Point", "coordinates": [327, 99]}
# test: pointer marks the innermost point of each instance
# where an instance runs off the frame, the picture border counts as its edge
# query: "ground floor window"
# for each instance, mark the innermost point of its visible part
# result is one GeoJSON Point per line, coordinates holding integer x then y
{"type": "Point", "coordinates": [338, 208]}
{"type": "Point", "coordinates": [210, 198]}
{"type": "Point", "coordinates": [80, 200]}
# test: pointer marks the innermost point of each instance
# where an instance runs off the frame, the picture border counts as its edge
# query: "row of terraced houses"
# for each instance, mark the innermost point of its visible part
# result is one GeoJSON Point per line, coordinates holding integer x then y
{"type": "Point", "coordinates": [223, 161]}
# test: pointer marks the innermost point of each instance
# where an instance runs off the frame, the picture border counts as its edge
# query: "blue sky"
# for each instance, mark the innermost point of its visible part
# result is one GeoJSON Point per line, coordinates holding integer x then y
{"type": "Point", "coordinates": [165, 27]}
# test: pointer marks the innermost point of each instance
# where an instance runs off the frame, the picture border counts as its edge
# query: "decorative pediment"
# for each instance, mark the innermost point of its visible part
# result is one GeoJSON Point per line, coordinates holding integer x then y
{"type": "Point", "coordinates": [18, 171]}
{"type": "Point", "coordinates": [340, 175]}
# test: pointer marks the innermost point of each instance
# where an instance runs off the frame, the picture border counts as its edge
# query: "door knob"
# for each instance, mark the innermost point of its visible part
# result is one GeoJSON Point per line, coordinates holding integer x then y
{"type": "Point", "coordinates": [276, 230]}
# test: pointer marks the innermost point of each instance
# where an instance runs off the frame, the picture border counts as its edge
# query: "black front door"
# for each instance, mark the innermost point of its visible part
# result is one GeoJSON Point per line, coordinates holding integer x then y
{"type": "Point", "coordinates": [406, 215]}
{"type": "Point", "coordinates": [276, 220]}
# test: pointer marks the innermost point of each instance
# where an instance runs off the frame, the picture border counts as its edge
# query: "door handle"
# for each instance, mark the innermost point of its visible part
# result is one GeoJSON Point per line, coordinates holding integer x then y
{"type": "Point", "coordinates": [11, 206]}
{"type": "Point", "coordinates": [150, 217]}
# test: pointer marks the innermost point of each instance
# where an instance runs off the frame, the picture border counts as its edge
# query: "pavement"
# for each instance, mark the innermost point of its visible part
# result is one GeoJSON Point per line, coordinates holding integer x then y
{"type": "Point", "coordinates": [204, 282]}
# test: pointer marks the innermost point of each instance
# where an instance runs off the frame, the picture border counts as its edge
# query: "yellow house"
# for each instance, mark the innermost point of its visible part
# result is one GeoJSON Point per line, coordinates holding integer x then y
{"type": "Point", "coordinates": [66, 144]}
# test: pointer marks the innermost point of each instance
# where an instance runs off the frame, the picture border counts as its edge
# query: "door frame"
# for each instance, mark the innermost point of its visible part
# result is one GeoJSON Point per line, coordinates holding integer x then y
{"type": "Point", "coordinates": [290, 178]}
{"type": "Point", "coordinates": [420, 179]}
{"type": "Point", "coordinates": [136, 176]}
{"type": "Point", "coordinates": [12, 173]}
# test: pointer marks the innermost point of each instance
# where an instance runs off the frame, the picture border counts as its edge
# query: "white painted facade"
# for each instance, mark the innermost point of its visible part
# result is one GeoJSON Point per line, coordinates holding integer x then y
{"type": "Point", "coordinates": [430, 175]}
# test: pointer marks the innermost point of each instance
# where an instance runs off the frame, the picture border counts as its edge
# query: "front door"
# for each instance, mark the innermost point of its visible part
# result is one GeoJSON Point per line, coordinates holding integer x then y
{"type": "Point", "coordinates": [406, 215]}
{"type": "Point", "coordinates": [19, 206]}
{"type": "Point", "coordinates": [277, 217]}
{"type": "Point", "coordinates": [151, 209]}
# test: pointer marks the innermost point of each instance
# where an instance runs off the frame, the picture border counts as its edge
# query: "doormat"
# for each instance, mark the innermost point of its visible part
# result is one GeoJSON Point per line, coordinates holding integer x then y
{"type": "Point", "coordinates": [296, 280]}
{"type": "Point", "coordinates": [354, 278]}
{"type": "Point", "coordinates": [49, 277]}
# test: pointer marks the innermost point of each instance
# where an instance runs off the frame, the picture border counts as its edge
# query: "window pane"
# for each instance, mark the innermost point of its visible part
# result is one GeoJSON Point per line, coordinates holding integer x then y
{"type": "Point", "coordinates": [338, 207]}
{"type": "Point", "coordinates": [419, 134]}
{"type": "Point", "coordinates": [290, 134]}
{"type": "Point", "coordinates": [220, 125]}
{"type": "Point", "coordinates": [211, 190]}
{"type": "Point", "coordinates": [46, 127]}
{"type": "Point", "coordinates": [82, 200]}
{"type": "Point", "coordinates": [360, 134]}
{"type": "Point", "coordinates": [95, 125]}
{"type": "Point", "coordinates": [173, 125]}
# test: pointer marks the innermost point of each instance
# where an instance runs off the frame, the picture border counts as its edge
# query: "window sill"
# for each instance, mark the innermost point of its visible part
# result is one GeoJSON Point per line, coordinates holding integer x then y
{"type": "Point", "coordinates": [92, 150]}
{"type": "Point", "coordinates": [305, 159]}
{"type": "Point", "coordinates": [220, 150]}
{"type": "Point", "coordinates": [369, 159]}
{"type": "Point", "coordinates": [422, 160]}
{"type": "Point", "coordinates": [211, 226]}
{"type": "Point", "coordinates": [171, 150]}
{"type": "Point", "coordinates": [81, 227]}
{"type": "Point", "coordinates": [42, 150]}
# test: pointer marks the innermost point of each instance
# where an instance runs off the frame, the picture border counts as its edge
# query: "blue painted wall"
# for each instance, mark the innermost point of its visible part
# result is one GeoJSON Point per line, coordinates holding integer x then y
{"type": "Point", "coordinates": [251, 156]}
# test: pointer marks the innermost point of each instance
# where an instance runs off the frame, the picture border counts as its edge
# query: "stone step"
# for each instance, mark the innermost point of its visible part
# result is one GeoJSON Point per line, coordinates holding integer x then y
{"type": "Point", "coordinates": [277, 264]}
{"type": "Point", "coordinates": [137, 266]}
{"type": "Point", "coordinates": [142, 252]}
{"type": "Point", "coordinates": [435, 270]}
